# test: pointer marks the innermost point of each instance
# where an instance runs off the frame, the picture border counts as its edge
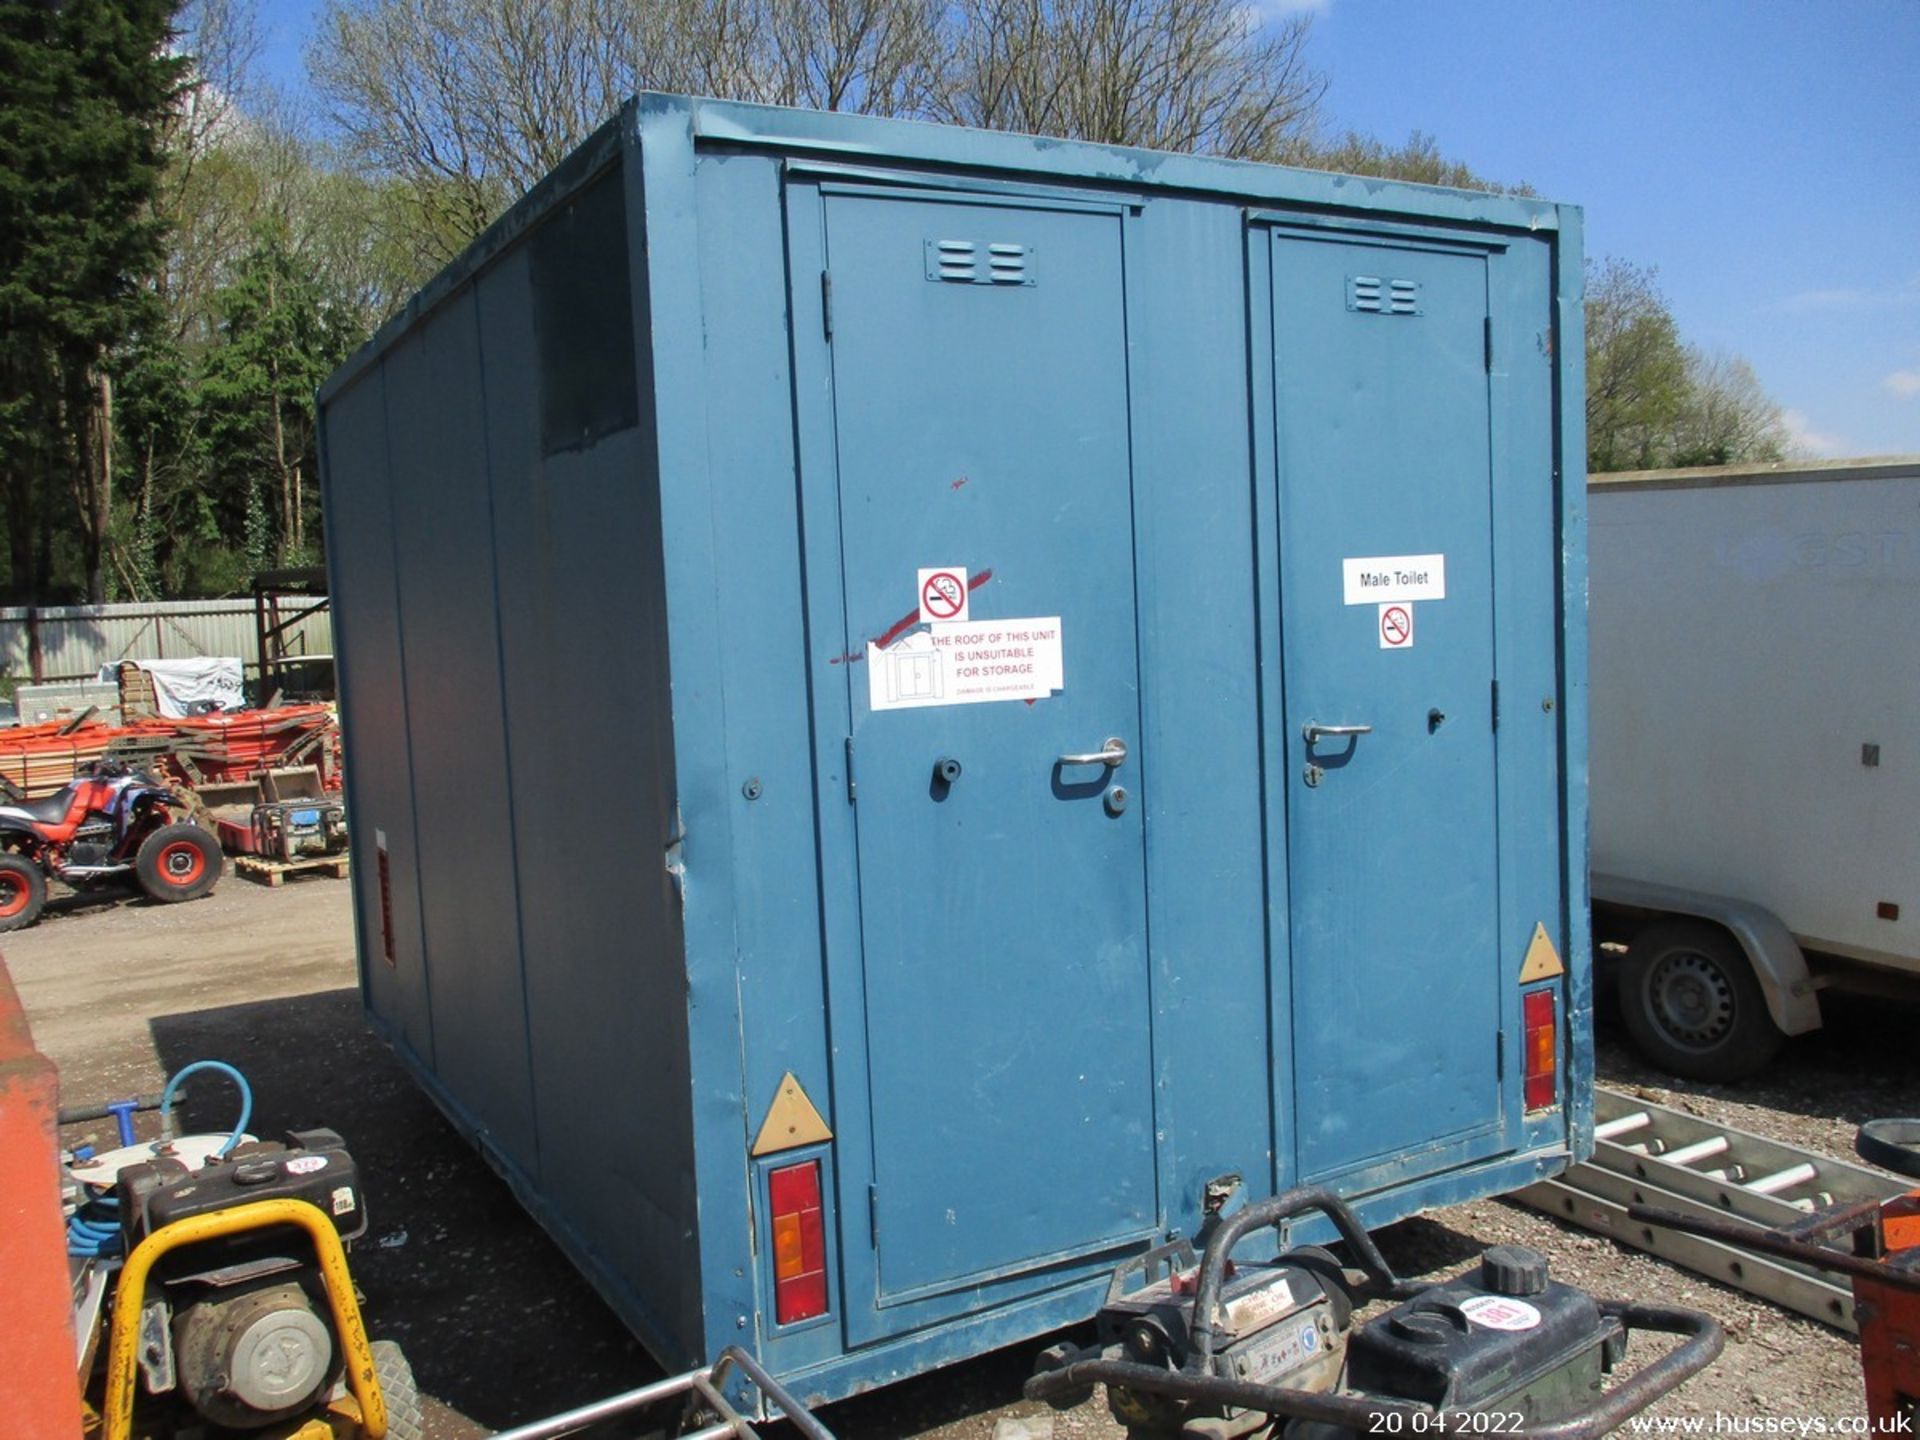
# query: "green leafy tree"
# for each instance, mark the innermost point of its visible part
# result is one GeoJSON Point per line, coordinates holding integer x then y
{"type": "Point", "coordinates": [1636, 368]}
{"type": "Point", "coordinates": [89, 84]}
{"type": "Point", "coordinates": [1654, 401]}
{"type": "Point", "coordinates": [280, 333]}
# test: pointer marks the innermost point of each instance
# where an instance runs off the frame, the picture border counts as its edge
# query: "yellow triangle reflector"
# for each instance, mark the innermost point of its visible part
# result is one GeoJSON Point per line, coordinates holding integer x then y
{"type": "Point", "coordinates": [1543, 961]}
{"type": "Point", "coordinates": [791, 1121]}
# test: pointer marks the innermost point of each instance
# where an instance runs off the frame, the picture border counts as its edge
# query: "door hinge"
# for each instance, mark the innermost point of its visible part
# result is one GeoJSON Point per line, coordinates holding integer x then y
{"type": "Point", "coordinates": [873, 1215]}
{"type": "Point", "coordinates": [1496, 704]}
{"type": "Point", "coordinates": [852, 788]}
{"type": "Point", "coordinates": [1487, 333]}
{"type": "Point", "coordinates": [826, 303]}
{"type": "Point", "coordinates": [1500, 1057]}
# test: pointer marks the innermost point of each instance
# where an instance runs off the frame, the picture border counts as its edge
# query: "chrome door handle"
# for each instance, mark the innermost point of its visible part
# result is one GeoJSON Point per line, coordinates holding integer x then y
{"type": "Point", "coordinates": [1111, 754]}
{"type": "Point", "coordinates": [1314, 731]}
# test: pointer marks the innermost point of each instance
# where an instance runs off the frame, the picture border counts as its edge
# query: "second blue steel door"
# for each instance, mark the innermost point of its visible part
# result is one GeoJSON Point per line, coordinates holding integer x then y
{"type": "Point", "coordinates": [1383, 453]}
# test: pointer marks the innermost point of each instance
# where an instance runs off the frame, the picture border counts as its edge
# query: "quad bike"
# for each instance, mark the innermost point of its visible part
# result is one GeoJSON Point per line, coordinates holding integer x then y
{"type": "Point", "coordinates": [110, 825]}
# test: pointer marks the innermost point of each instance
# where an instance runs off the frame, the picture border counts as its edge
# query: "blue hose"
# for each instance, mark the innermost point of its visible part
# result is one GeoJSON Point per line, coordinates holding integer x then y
{"type": "Point", "coordinates": [93, 1231]}
{"type": "Point", "coordinates": [246, 1099]}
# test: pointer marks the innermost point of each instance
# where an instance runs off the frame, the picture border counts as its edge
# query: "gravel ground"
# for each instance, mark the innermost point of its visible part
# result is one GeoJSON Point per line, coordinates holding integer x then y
{"type": "Point", "coordinates": [500, 1327]}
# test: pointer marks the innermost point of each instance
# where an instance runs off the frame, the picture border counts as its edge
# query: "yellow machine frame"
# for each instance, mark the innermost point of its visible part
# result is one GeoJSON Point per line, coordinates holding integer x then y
{"type": "Point", "coordinates": [131, 1290]}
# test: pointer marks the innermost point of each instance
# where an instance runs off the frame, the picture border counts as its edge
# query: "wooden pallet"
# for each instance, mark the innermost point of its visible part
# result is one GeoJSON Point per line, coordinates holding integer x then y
{"type": "Point", "coordinates": [263, 871]}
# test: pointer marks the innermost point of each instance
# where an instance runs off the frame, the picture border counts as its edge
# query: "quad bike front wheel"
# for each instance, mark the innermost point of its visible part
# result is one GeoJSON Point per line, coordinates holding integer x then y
{"type": "Point", "coordinates": [23, 892]}
{"type": "Point", "coordinates": [177, 862]}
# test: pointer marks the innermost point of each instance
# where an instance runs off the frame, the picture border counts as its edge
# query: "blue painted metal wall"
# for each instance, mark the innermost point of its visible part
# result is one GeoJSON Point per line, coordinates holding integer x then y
{"type": "Point", "coordinates": [1037, 1021]}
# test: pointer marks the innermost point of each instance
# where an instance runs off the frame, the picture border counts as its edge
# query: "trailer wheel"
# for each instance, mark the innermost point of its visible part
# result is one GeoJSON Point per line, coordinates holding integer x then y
{"type": "Point", "coordinates": [404, 1418]}
{"type": "Point", "coordinates": [1692, 1005]}
{"type": "Point", "coordinates": [23, 892]}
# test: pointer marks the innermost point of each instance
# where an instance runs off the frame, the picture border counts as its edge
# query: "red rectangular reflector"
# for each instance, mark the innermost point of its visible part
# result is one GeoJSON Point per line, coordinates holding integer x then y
{"type": "Point", "coordinates": [799, 1242]}
{"type": "Point", "coordinates": [1542, 1049]}
{"type": "Point", "coordinates": [386, 907]}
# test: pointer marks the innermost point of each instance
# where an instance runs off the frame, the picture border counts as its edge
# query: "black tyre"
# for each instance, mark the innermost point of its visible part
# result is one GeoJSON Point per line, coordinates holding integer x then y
{"type": "Point", "coordinates": [177, 862]}
{"type": "Point", "coordinates": [1692, 1005]}
{"type": "Point", "coordinates": [23, 892]}
{"type": "Point", "coordinates": [1891, 1144]}
{"type": "Point", "coordinates": [405, 1420]}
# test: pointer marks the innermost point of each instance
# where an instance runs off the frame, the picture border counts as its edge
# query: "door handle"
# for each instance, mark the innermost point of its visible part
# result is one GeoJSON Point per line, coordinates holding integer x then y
{"type": "Point", "coordinates": [1314, 731]}
{"type": "Point", "coordinates": [1112, 753]}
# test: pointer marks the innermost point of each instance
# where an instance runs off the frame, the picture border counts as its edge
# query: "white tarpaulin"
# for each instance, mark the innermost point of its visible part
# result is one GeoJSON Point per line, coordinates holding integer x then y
{"type": "Point", "coordinates": [179, 684]}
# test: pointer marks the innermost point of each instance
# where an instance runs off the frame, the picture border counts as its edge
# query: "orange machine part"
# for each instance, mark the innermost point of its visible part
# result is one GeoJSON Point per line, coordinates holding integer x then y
{"type": "Point", "coordinates": [1890, 1321]}
{"type": "Point", "coordinates": [38, 1369]}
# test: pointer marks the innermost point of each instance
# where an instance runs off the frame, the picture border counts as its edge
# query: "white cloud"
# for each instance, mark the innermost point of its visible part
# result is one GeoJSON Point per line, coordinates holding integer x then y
{"type": "Point", "coordinates": [1854, 297]}
{"type": "Point", "coordinates": [1803, 439]}
{"type": "Point", "coordinates": [1904, 383]}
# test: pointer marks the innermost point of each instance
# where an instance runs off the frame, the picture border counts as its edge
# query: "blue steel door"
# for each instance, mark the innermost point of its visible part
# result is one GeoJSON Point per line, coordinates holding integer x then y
{"type": "Point", "coordinates": [980, 418]}
{"type": "Point", "coordinates": [1381, 405]}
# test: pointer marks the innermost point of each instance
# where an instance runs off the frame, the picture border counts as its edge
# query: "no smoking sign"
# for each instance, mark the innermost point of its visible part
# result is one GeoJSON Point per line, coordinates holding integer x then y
{"type": "Point", "coordinates": [1396, 627]}
{"type": "Point", "coordinates": [943, 594]}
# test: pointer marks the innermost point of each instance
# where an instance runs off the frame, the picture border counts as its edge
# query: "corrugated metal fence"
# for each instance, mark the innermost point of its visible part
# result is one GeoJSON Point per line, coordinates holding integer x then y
{"type": "Point", "coordinates": [72, 642]}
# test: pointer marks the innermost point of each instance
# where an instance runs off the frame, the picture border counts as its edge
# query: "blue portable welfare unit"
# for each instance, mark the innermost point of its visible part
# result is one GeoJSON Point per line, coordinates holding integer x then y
{"type": "Point", "coordinates": [913, 697]}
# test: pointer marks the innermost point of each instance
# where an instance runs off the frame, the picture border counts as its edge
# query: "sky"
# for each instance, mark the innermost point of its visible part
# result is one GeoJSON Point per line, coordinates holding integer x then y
{"type": "Point", "coordinates": [1762, 155]}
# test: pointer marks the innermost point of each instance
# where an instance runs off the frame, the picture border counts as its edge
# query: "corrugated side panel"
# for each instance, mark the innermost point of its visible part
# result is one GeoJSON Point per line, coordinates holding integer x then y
{"type": "Point", "coordinates": [76, 640]}
{"type": "Point", "coordinates": [373, 714]}
{"type": "Point", "coordinates": [457, 747]}
{"type": "Point", "coordinates": [591, 788]}
{"type": "Point", "coordinates": [536, 973]}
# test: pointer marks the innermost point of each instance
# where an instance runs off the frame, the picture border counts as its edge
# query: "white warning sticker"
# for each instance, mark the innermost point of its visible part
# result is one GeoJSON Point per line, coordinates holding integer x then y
{"type": "Point", "coordinates": [968, 663]}
{"type": "Point", "coordinates": [943, 594]}
{"type": "Point", "coordinates": [1499, 1312]}
{"type": "Point", "coordinates": [1376, 579]}
{"type": "Point", "coordinates": [1396, 627]}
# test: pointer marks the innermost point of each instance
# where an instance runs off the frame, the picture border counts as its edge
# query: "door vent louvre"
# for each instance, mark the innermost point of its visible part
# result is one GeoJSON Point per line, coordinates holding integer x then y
{"type": "Point", "coordinates": [1377, 296]}
{"type": "Point", "coordinates": [968, 262]}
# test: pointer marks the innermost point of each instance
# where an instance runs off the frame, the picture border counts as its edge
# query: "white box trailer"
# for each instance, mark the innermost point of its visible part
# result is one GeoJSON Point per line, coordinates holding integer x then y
{"type": "Point", "coordinates": [1756, 748]}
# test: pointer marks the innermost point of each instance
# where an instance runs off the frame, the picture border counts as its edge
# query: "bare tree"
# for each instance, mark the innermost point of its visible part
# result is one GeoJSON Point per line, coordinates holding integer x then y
{"type": "Point", "coordinates": [468, 102]}
{"type": "Point", "coordinates": [1728, 418]}
{"type": "Point", "coordinates": [1190, 75]}
{"type": "Point", "coordinates": [206, 231]}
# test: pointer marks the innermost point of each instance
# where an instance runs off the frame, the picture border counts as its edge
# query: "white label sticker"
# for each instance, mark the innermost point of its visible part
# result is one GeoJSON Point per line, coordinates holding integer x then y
{"type": "Point", "coordinates": [343, 1201]}
{"type": "Point", "coordinates": [1396, 627]}
{"type": "Point", "coordinates": [306, 1164]}
{"type": "Point", "coordinates": [943, 594]}
{"type": "Point", "coordinates": [967, 663]}
{"type": "Point", "coordinates": [1498, 1312]}
{"type": "Point", "coordinates": [1376, 579]}
{"type": "Point", "coordinates": [1258, 1308]}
